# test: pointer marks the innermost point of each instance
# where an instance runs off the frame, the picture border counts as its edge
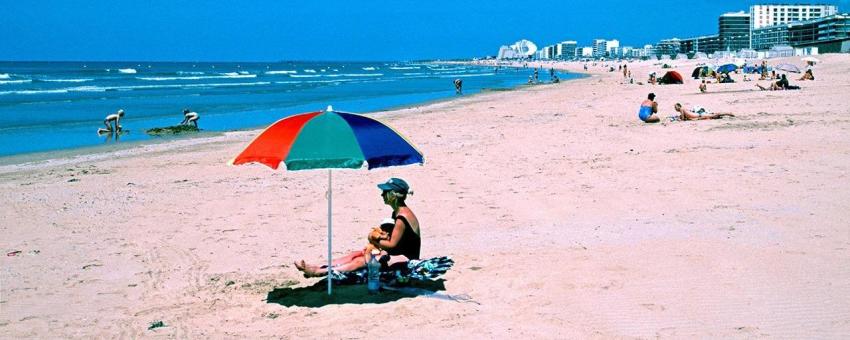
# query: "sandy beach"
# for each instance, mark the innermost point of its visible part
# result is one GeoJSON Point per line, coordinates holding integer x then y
{"type": "Point", "coordinates": [567, 218]}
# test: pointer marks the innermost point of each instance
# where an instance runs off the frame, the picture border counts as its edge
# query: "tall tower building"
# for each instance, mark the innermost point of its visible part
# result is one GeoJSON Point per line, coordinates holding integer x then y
{"type": "Point", "coordinates": [778, 14]}
{"type": "Point", "coordinates": [734, 31]}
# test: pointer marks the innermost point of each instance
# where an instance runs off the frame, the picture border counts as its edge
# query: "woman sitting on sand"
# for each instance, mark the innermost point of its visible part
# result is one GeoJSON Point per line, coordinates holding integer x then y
{"type": "Point", "coordinates": [648, 110]}
{"type": "Point", "coordinates": [808, 75]}
{"type": "Point", "coordinates": [400, 240]}
{"type": "Point", "coordinates": [781, 84]}
{"type": "Point", "coordinates": [698, 114]}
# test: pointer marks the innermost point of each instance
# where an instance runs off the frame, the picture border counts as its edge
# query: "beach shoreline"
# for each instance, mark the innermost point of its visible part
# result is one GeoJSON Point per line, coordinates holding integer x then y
{"type": "Point", "coordinates": [565, 215]}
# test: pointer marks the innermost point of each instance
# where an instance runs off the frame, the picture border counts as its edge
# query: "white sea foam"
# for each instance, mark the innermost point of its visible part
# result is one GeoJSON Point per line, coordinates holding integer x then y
{"type": "Point", "coordinates": [4, 76]}
{"type": "Point", "coordinates": [368, 68]}
{"type": "Point", "coordinates": [130, 88]}
{"type": "Point", "coordinates": [127, 70]}
{"type": "Point", "coordinates": [304, 75]}
{"type": "Point", "coordinates": [356, 75]}
{"type": "Point", "coordinates": [466, 75]}
{"type": "Point", "coordinates": [447, 69]}
{"type": "Point", "coordinates": [310, 70]}
{"type": "Point", "coordinates": [190, 72]}
{"type": "Point", "coordinates": [19, 81]}
{"type": "Point", "coordinates": [82, 80]}
{"type": "Point", "coordinates": [281, 72]}
{"type": "Point", "coordinates": [313, 81]}
{"type": "Point", "coordinates": [231, 75]}
{"type": "Point", "coordinates": [404, 68]}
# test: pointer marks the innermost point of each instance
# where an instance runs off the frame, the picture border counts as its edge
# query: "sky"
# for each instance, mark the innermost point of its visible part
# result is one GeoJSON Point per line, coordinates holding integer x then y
{"type": "Point", "coordinates": [267, 30]}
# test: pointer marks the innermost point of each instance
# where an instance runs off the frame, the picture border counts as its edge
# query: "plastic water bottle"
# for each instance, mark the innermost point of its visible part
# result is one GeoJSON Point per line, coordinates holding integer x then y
{"type": "Point", "coordinates": [373, 282]}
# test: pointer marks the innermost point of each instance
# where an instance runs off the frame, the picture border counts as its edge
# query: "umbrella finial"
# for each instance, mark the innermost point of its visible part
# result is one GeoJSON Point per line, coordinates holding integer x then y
{"type": "Point", "coordinates": [329, 109]}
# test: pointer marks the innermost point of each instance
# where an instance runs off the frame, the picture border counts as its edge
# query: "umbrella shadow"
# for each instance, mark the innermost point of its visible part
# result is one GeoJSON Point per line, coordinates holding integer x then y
{"type": "Point", "coordinates": [317, 294]}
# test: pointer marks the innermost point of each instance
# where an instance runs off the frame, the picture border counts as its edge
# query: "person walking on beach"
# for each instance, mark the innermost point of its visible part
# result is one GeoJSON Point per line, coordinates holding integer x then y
{"type": "Point", "coordinates": [115, 117]}
{"type": "Point", "coordinates": [190, 117]}
{"type": "Point", "coordinates": [702, 87]}
{"type": "Point", "coordinates": [536, 79]}
{"type": "Point", "coordinates": [458, 86]}
{"type": "Point", "coordinates": [648, 110]}
{"type": "Point", "coordinates": [625, 71]}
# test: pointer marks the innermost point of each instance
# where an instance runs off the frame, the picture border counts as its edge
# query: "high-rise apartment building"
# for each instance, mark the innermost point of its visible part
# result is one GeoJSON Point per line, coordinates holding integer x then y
{"type": "Point", "coordinates": [778, 14]}
{"type": "Point", "coordinates": [734, 31]}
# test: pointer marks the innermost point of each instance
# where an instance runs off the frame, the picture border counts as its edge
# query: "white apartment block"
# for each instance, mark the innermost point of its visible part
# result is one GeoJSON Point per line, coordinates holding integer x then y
{"type": "Point", "coordinates": [777, 14]}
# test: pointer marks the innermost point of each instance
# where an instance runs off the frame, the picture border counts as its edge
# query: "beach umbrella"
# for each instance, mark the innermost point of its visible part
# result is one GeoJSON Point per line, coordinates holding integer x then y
{"type": "Point", "coordinates": [727, 68]}
{"type": "Point", "coordinates": [788, 68]}
{"type": "Point", "coordinates": [326, 140]}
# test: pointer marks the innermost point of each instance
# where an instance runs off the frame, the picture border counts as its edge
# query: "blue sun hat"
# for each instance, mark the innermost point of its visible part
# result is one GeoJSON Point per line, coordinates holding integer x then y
{"type": "Point", "coordinates": [395, 184]}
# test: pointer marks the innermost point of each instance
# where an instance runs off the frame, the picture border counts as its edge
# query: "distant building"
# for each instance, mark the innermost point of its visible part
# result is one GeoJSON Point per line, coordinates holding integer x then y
{"type": "Point", "coordinates": [612, 48]}
{"type": "Point", "coordinates": [648, 51]}
{"type": "Point", "coordinates": [668, 47]}
{"type": "Point", "coordinates": [703, 44]}
{"type": "Point", "coordinates": [778, 14]}
{"type": "Point", "coordinates": [734, 31]}
{"type": "Point", "coordinates": [520, 49]}
{"type": "Point", "coordinates": [566, 49]}
{"type": "Point", "coordinates": [587, 52]}
{"type": "Point", "coordinates": [600, 48]}
{"type": "Point", "coordinates": [829, 34]}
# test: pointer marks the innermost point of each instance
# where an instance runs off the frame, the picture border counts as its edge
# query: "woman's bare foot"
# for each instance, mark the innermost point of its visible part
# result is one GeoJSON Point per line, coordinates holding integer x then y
{"type": "Point", "coordinates": [313, 271]}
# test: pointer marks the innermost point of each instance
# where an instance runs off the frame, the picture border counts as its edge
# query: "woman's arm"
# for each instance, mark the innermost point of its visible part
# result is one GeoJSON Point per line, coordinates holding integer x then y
{"type": "Point", "coordinates": [395, 236]}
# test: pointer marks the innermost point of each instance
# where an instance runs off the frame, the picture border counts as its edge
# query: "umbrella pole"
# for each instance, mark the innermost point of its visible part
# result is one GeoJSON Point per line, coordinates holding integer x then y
{"type": "Point", "coordinates": [330, 231]}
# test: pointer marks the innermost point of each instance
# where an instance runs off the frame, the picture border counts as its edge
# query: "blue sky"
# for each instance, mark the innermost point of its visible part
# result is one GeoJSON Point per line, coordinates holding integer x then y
{"type": "Point", "coordinates": [262, 30]}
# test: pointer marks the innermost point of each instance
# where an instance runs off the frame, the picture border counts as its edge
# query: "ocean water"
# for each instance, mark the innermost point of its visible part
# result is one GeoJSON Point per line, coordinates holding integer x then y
{"type": "Point", "coordinates": [48, 106]}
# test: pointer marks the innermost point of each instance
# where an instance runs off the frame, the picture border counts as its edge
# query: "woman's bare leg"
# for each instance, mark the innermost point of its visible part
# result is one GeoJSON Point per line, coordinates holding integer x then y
{"type": "Point", "coordinates": [652, 119]}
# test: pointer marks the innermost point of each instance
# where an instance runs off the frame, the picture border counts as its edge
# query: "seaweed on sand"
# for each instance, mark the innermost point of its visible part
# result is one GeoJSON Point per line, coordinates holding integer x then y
{"type": "Point", "coordinates": [172, 130]}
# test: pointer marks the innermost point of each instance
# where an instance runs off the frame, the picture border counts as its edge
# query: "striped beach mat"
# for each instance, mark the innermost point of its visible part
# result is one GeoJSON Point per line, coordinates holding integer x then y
{"type": "Point", "coordinates": [415, 270]}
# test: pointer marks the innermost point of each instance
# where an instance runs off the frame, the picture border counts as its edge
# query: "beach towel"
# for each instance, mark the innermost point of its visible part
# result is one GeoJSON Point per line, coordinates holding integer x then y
{"type": "Point", "coordinates": [700, 110]}
{"type": "Point", "coordinates": [414, 270]}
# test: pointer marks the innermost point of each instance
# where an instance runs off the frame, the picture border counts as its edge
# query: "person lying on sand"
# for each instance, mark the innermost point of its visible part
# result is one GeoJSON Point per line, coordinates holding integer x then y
{"type": "Point", "coordinates": [400, 240]}
{"type": "Point", "coordinates": [648, 110]}
{"type": "Point", "coordinates": [698, 113]}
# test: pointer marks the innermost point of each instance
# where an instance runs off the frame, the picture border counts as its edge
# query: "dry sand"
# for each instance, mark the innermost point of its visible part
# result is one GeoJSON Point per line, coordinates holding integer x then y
{"type": "Point", "coordinates": [567, 217]}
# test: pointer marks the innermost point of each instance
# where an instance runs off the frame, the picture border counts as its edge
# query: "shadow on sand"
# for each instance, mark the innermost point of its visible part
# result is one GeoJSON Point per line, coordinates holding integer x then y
{"type": "Point", "coordinates": [317, 294]}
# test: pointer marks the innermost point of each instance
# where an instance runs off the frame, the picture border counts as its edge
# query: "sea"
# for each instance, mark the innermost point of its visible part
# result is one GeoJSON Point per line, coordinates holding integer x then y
{"type": "Point", "coordinates": [48, 106]}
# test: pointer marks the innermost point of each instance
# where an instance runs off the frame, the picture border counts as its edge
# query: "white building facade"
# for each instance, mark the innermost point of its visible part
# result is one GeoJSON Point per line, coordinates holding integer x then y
{"type": "Point", "coordinates": [771, 15]}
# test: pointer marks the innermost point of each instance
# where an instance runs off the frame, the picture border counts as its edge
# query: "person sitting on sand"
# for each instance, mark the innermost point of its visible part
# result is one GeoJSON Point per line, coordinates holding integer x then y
{"type": "Point", "coordinates": [698, 113]}
{"type": "Point", "coordinates": [400, 240]}
{"type": "Point", "coordinates": [781, 84]}
{"type": "Point", "coordinates": [458, 86]}
{"type": "Point", "coordinates": [652, 79]}
{"type": "Point", "coordinates": [808, 75]}
{"type": "Point", "coordinates": [648, 110]}
{"type": "Point", "coordinates": [703, 88]}
{"type": "Point", "coordinates": [115, 117]}
{"type": "Point", "coordinates": [190, 117]}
